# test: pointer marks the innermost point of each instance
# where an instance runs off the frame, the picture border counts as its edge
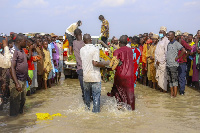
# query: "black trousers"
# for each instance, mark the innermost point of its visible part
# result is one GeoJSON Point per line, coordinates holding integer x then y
{"type": "Point", "coordinates": [104, 39]}
{"type": "Point", "coordinates": [40, 81]}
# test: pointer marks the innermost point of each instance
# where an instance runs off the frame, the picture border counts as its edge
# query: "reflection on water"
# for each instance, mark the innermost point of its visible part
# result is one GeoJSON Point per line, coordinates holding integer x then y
{"type": "Point", "coordinates": [155, 112]}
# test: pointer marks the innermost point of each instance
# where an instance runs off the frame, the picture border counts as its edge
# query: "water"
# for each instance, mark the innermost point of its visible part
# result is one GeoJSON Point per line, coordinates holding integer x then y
{"type": "Point", "coordinates": [155, 112]}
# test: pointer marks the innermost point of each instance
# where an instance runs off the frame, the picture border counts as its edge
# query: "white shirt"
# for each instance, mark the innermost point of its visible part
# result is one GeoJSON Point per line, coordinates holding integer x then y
{"type": "Point", "coordinates": [6, 58]}
{"type": "Point", "coordinates": [71, 29]}
{"type": "Point", "coordinates": [90, 73]}
{"type": "Point", "coordinates": [60, 47]}
{"type": "Point", "coordinates": [161, 50]}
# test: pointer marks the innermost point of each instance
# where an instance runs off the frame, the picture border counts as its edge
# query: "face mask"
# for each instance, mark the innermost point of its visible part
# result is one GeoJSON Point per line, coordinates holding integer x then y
{"type": "Point", "coordinates": [161, 35]}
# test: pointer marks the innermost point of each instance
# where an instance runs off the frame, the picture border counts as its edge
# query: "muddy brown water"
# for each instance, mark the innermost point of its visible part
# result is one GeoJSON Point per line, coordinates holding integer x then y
{"type": "Point", "coordinates": [155, 112]}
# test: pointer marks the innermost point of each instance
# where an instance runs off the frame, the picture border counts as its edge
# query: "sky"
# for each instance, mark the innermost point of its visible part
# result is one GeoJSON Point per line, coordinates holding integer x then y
{"type": "Point", "coordinates": [125, 17]}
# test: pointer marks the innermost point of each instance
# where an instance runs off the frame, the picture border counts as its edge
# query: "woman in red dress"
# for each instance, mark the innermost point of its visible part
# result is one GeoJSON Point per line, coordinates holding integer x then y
{"type": "Point", "coordinates": [136, 56]}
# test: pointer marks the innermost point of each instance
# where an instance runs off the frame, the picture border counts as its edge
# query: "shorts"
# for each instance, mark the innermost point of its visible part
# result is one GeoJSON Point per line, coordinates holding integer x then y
{"type": "Point", "coordinates": [60, 66]}
{"type": "Point", "coordinates": [172, 73]}
{"type": "Point", "coordinates": [70, 38]}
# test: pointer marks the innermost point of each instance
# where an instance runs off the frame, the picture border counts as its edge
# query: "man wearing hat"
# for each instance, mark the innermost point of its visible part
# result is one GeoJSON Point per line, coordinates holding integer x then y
{"type": "Point", "coordinates": [160, 59]}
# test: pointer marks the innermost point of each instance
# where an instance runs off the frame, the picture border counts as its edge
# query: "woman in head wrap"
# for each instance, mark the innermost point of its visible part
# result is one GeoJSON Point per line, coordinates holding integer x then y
{"type": "Point", "coordinates": [135, 41]}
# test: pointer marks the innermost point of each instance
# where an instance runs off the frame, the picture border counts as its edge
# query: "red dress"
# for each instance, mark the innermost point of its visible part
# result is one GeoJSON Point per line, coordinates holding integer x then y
{"type": "Point", "coordinates": [123, 88]}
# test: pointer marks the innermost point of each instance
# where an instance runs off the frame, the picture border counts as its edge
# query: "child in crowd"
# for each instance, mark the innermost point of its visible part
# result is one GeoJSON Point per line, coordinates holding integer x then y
{"type": "Point", "coordinates": [40, 64]}
{"type": "Point", "coordinates": [152, 60]}
{"type": "Point", "coordinates": [29, 52]}
{"type": "Point", "coordinates": [47, 63]}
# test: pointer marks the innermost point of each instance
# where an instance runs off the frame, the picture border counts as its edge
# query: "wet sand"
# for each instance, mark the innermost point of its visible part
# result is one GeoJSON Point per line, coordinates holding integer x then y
{"type": "Point", "coordinates": [155, 112]}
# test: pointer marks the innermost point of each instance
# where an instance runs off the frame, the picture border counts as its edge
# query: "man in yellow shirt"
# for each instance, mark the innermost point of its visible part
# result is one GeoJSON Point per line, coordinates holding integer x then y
{"type": "Point", "coordinates": [104, 29]}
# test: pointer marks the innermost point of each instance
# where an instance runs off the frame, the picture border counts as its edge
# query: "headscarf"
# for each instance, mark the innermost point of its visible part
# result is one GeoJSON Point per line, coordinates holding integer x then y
{"type": "Point", "coordinates": [149, 41]}
{"type": "Point", "coordinates": [163, 28]}
{"type": "Point", "coordinates": [178, 33]}
{"type": "Point", "coordinates": [155, 36]}
{"type": "Point", "coordinates": [185, 34]}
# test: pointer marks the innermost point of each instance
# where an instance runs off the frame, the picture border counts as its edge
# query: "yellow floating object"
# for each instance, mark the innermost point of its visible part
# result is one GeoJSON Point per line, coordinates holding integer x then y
{"type": "Point", "coordinates": [46, 116]}
{"type": "Point", "coordinates": [104, 56]}
{"type": "Point", "coordinates": [114, 62]}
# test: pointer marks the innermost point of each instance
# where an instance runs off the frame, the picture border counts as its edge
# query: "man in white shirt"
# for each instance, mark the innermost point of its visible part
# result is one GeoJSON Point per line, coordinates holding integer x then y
{"type": "Point", "coordinates": [160, 59]}
{"type": "Point", "coordinates": [6, 58]}
{"type": "Point", "coordinates": [70, 34]}
{"type": "Point", "coordinates": [91, 73]}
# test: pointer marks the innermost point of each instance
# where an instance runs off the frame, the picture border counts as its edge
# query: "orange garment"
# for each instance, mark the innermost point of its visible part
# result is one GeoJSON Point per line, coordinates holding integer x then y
{"type": "Point", "coordinates": [65, 44]}
{"type": "Point", "coordinates": [144, 53]}
{"type": "Point", "coordinates": [30, 62]}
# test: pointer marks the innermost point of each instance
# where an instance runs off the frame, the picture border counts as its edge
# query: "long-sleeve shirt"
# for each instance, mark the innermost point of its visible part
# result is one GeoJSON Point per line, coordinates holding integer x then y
{"type": "Point", "coordinates": [183, 58]}
{"type": "Point", "coordinates": [161, 50]}
{"type": "Point", "coordinates": [6, 58]}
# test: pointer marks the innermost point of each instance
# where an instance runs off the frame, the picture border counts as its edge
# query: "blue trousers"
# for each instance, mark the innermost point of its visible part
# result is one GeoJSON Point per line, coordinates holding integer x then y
{"type": "Point", "coordinates": [80, 77]}
{"type": "Point", "coordinates": [182, 69]}
{"type": "Point", "coordinates": [95, 87]}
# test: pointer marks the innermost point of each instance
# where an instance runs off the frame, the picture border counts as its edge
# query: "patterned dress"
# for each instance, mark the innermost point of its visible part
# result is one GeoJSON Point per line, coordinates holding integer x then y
{"type": "Point", "coordinates": [140, 61]}
{"type": "Point", "coordinates": [195, 76]}
{"type": "Point", "coordinates": [152, 64]}
{"type": "Point", "coordinates": [136, 59]}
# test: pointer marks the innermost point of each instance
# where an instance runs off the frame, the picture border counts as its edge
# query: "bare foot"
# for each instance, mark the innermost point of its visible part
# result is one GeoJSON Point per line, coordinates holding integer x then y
{"type": "Point", "coordinates": [119, 107]}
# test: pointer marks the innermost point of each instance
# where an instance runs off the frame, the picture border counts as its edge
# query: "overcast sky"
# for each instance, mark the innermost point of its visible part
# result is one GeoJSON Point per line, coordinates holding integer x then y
{"type": "Point", "coordinates": [129, 17]}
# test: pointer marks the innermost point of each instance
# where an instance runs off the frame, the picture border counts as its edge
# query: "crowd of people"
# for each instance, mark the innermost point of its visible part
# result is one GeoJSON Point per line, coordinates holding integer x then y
{"type": "Point", "coordinates": [164, 61]}
{"type": "Point", "coordinates": [160, 61]}
{"type": "Point", "coordinates": [28, 64]}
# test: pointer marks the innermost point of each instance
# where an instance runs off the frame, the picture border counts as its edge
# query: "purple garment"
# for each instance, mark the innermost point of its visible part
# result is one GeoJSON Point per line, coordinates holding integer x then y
{"type": "Point", "coordinates": [77, 45]}
{"type": "Point", "coordinates": [56, 55]}
{"type": "Point", "coordinates": [21, 64]}
{"type": "Point", "coordinates": [195, 76]}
